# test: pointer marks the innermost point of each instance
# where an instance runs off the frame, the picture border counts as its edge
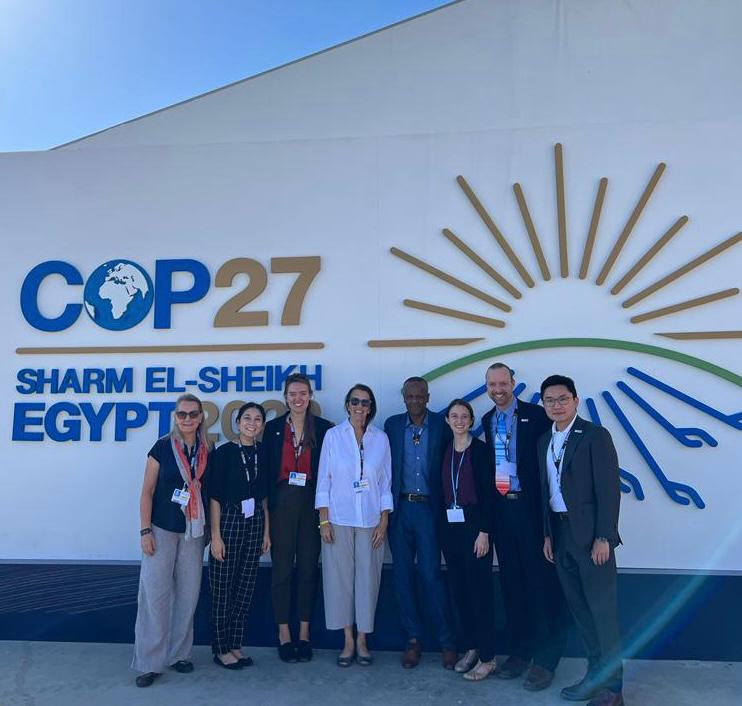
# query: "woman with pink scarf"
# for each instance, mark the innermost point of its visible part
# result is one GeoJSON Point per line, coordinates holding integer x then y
{"type": "Point", "coordinates": [173, 519]}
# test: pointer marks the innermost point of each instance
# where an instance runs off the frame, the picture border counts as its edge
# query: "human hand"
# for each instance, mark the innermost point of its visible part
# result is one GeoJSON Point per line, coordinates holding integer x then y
{"type": "Point", "coordinates": [218, 550]}
{"type": "Point", "coordinates": [548, 552]}
{"type": "Point", "coordinates": [601, 552]}
{"type": "Point", "coordinates": [379, 534]}
{"type": "Point", "coordinates": [481, 544]}
{"type": "Point", "coordinates": [325, 531]}
{"type": "Point", "coordinates": [148, 544]}
{"type": "Point", "coordinates": [266, 543]}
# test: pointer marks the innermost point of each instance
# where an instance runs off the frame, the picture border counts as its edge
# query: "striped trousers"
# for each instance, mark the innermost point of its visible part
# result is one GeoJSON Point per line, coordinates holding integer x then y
{"type": "Point", "coordinates": [232, 581]}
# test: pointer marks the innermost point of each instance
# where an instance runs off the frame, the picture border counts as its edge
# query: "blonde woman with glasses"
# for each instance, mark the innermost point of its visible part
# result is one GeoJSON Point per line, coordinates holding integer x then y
{"type": "Point", "coordinates": [172, 510]}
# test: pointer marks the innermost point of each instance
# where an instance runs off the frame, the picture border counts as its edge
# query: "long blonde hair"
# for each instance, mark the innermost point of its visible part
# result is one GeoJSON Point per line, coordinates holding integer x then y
{"type": "Point", "coordinates": [201, 431]}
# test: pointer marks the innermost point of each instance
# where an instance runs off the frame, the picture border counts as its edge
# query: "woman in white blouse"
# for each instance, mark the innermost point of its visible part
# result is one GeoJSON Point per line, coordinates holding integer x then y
{"type": "Point", "coordinates": [354, 499]}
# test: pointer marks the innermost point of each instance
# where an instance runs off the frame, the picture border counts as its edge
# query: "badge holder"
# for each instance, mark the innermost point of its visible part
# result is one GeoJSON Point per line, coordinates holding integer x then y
{"type": "Point", "coordinates": [296, 478]}
{"type": "Point", "coordinates": [181, 496]}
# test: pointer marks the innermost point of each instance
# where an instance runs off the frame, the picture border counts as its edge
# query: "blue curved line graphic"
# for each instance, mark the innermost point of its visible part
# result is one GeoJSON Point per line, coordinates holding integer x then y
{"type": "Point", "coordinates": [682, 434]}
{"type": "Point", "coordinates": [678, 492]}
{"type": "Point", "coordinates": [733, 420]}
{"type": "Point", "coordinates": [633, 481]}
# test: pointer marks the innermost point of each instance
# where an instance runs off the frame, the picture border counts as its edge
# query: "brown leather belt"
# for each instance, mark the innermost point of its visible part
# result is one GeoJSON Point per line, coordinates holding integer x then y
{"type": "Point", "coordinates": [414, 497]}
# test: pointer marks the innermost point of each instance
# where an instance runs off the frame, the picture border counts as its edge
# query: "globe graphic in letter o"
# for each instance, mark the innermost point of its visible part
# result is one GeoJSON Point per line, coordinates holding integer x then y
{"type": "Point", "coordinates": [118, 295]}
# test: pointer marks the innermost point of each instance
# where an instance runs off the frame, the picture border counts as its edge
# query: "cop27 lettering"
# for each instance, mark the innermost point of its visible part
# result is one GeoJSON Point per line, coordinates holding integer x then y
{"type": "Point", "coordinates": [59, 314]}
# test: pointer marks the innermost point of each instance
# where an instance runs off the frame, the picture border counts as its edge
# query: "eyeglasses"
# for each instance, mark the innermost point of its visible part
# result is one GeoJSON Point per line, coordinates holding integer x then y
{"type": "Point", "coordinates": [193, 414]}
{"type": "Point", "coordinates": [554, 401]}
{"type": "Point", "coordinates": [355, 401]}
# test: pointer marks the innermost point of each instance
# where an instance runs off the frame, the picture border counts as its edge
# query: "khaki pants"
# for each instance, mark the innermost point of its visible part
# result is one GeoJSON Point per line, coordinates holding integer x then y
{"type": "Point", "coordinates": [351, 574]}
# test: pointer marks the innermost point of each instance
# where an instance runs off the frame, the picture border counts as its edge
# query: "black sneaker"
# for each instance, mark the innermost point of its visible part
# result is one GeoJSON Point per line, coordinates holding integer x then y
{"type": "Point", "coordinates": [146, 679]}
{"type": "Point", "coordinates": [183, 666]}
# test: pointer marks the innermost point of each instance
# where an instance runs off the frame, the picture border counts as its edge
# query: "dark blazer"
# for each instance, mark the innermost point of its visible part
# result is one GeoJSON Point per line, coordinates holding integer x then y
{"type": "Point", "coordinates": [480, 515]}
{"type": "Point", "coordinates": [272, 448]}
{"type": "Point", "coordinates": [532, 423]}
{"type": "Point", "coordinates": [440, 435]}
{"type": "Point", "coordinates": [590, 483]}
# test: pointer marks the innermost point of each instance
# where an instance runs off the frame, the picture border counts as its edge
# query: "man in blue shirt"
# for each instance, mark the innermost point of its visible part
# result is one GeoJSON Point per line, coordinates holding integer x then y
{"type": "Point", "coordinates": [418, 439]}
{"type": "Point", "coordinates": [535, 610]}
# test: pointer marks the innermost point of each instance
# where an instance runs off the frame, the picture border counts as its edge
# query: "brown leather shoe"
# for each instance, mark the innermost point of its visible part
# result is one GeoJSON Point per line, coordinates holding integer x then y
{"type": "Point", "coordinates": [449, 658]}
{"type": "Point", "coordinates": [411, 654]}
{"type": "Point", "coordinates": [511, 668]}
{"type": "Point", "coordinates": [538, 678]}
{"type": "Point", "coordinates": [607, 698]}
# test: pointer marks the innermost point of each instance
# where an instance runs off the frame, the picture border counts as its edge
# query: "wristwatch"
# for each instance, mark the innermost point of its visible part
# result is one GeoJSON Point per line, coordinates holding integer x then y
{"type": "Point", "coordinates": [146, 530]}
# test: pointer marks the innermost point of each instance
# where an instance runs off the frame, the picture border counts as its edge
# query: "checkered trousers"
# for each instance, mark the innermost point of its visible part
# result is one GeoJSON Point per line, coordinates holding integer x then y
{"type": "Point", "coordinates": [232, 581]}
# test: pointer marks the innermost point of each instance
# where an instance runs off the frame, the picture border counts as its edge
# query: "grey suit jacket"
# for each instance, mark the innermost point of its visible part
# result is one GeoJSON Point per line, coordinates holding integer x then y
{"type": "Point", "coordinates": [590, 483]}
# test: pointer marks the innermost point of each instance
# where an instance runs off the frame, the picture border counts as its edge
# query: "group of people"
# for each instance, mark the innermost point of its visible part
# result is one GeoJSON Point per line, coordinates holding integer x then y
{"type": "Point", "coordinates": [542, 491]}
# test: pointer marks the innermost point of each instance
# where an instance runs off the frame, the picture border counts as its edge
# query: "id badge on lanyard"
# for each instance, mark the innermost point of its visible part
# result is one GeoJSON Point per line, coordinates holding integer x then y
{"type": "Point", "coordinates": [361, 485]}
{"type": "Point", "coordinates": [456, 513]}
{"type": "Point", "coordinates": [181, 496]}
{"type": "Point", "coordinates": [296, 478]}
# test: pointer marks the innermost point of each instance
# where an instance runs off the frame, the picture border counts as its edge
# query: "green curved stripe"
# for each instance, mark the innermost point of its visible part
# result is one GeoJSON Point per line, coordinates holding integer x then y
{"type": "Point", "coordinates": [587, 343]}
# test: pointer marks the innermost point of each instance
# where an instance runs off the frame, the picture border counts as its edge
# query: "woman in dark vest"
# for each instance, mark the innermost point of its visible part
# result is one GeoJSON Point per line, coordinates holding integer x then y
{"type": "Point", "coordinates": [172, 511]}
{"type": "Point", "coordinates": [292, 445]}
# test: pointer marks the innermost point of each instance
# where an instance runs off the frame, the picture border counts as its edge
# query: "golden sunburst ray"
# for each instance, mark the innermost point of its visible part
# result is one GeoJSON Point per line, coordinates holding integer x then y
{"type": "Point", "coordinates": [449, 279]}
{"type": "Point", "coordinates": [587, 253]}
{"type": "Point", "coordinates": [531, 230]}
{"type": "Point", "coordinates": [682, 306]}
{"type": "Point", "coordinates": [561, 210]}
{"type": "Point", "coordinates": [702, 335]}
{"type": "Point", "coordinates": [481, 263]}
{"type": "Point", "coordinates": [639, 265]}
{"type": "Point", "coordinates": [684, 270]}
{"type": "Point", "coordinates": [453, 313]}
{"type": "Point", "coordinates": [629, 227]}
{"type": "Point", "coordinates": [496, 233]}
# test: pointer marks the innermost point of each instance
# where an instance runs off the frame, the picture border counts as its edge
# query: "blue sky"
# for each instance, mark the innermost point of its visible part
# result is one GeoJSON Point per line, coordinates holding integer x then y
{"type": "Point", "coordinates": [71, 67]}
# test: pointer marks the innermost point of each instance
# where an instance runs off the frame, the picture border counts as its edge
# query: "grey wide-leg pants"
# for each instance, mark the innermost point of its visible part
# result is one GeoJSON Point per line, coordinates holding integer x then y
{"type": "Point", "coordinates": [169, 584]}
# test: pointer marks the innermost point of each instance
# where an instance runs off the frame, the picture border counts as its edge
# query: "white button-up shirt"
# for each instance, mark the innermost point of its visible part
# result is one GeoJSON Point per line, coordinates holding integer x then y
{"type": "Point", "coordinates": [558, 439]}
{"type": "Point", "coordinates": [340, 466]}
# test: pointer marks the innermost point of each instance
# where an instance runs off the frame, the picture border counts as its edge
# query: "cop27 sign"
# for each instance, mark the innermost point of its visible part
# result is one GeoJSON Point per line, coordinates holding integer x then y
{"type": "Point", "coordinates": [220, 269]}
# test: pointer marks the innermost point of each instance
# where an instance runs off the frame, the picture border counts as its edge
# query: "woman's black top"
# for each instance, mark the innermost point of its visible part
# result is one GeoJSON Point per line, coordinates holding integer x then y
{"type": "Point", "coordinates": [234, 478]}
{"type": "Point", "coordinates": [166, 514]}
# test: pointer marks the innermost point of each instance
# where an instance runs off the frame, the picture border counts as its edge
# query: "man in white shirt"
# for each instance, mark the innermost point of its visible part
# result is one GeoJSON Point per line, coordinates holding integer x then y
{"type": "Point", "coordinates": [581, 497]}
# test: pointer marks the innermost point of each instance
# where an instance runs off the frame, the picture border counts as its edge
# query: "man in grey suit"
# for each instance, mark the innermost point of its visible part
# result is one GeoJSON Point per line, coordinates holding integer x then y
{"type": "Point", "coordinates": [581, 497]}
{"type": "Point", "coordinates": [417, 439]}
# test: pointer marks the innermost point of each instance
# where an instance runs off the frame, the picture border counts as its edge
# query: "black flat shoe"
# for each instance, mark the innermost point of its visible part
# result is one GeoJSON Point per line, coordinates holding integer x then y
{"type": "Point", "coordinates": [304, 651]}
{"type": "Point", "coordinates": [232, 667]}
{"type": "Point", "coordinates": [245, 662]}
{"type": "Point", "coordinates": [146, 679]}
{"type": "Point", "coordinates": [344, 661]}
{"type": "Point", "coordinates": [183, 666]}
{"type": "Point", "coordinates": [287, 652]}
{"type": "Point", "coordinates": [365, 660]}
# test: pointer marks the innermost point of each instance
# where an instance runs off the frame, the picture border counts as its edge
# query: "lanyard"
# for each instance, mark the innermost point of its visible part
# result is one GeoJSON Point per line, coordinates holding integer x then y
{"type": "Point", "coordinates": [360, 452]}
{"type": "Point", "coordinates": [508, 433]}
{"type": "Point", "coordinates": [455, 484]}
{"type": "Point", "coordinates": [417, 433]}
{"type": "Point", "coordinates": [192, 460]}
{"type": "Point", "coordinates": [298, 446]}
{"type": "Point", "coordinates": [245, 465]}
{"type": "Point", "coordinates": [558, 459]}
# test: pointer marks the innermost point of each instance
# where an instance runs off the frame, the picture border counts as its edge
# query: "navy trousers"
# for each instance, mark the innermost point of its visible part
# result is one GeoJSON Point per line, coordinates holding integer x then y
{"type": "Point", "coordinates": [412, 533]}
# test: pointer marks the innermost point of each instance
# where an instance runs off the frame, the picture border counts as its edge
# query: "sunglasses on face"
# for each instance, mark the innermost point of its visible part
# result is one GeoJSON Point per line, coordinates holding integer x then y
{"type": "Point", "coordinates": [355, 401]}
{"type": "Point", "coordinates": [180, 414]}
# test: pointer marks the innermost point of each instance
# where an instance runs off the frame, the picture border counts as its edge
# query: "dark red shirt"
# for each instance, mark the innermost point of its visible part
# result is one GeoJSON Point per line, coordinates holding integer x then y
{"type": "Point", "coordinates": [467, 494]}
{"type": "Point", "coordinates": [288, 457]}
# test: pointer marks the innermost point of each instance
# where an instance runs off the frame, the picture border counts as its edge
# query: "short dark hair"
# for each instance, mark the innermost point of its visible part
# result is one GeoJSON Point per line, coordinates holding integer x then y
{"type": "Point", "coordinates": [414, 378]}
{"type": "Point", "coordinates": [553, 380]}
{"type": "Point", "coordinates": [461, 403]}
{"type": "Point", "coordinates": [369, 392]}
{"type": "Point", "coordinates": [251, 405]}
{"type": "Point", "coordinates": [500, 366]}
